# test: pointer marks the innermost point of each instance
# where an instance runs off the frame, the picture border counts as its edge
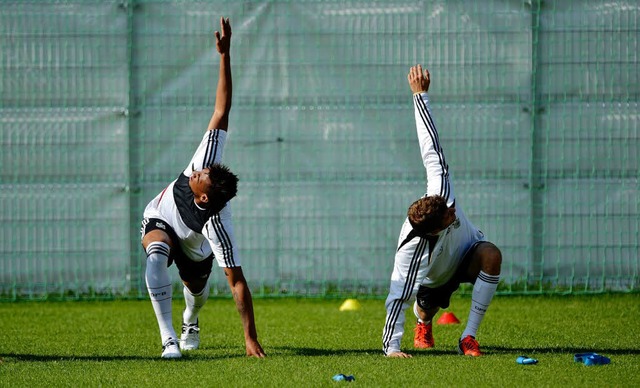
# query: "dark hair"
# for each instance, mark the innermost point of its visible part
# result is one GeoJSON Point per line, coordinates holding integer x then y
{"type": "Point", "coordinates": [427, 213]}
{"type": "Point", "coordinates": [224, 186]}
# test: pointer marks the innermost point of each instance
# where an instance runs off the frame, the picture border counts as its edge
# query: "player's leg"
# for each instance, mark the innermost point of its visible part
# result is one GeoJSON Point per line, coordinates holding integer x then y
{"type": "Point", "coordinates": [423, 332]}
{"type": "Point", "coordinates": [196, 294]}
{"type": "Point", "coordinates": [157, 244]}
{"type": "Point", "coordinates": [484, 272]}
{"type": "Point", "coordinates": [428, 302]}
{"type": "Point", "coordinates": [195, 277]}
{"type": "Point", "coordinates": [408, 271]}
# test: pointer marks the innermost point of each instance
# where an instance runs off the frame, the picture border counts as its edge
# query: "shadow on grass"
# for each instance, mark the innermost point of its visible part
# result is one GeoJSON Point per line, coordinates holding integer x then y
{"type": "Point", "coordinates": [559, 350]}
{"type": "Point", "coordinates": [5, 357]}
{"type": "Point", "coordinates": [489, 350]}
{"type": "Point", "coordinates": [53, 357]}
{"type": "Point", "coordinates": [316, 352]}
{"type": "Point", "coordinates": [280, 351]}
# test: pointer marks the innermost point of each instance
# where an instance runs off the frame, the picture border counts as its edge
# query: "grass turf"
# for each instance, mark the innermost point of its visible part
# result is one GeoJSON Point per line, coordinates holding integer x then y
{"type": "Point", "coordinates": [116, 343]}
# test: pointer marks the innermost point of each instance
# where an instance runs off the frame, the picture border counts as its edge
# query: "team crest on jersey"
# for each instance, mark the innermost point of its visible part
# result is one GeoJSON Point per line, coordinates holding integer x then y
{"type": "Point", "coordinates": [161, 225]}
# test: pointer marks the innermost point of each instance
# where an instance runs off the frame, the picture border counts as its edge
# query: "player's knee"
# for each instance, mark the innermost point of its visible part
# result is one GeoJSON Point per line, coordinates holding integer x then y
{"type": "Point", "coordinates": [196, 286]}
{"type": "Point", "coordinates": [491, 259]}
{"type": "Point", "coordinates": [156, 236]}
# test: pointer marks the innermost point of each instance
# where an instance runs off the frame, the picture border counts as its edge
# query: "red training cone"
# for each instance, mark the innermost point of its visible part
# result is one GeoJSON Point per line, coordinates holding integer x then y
{"type": "Point", "coordinates": [447, 319]}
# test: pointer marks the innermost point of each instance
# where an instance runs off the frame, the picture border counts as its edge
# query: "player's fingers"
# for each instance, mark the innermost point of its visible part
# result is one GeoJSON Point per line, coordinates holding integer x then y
{"type": "Point", "coordinates": [412, 73]}
{"type": "Point", "coordinates": [397, 355]}
{"type": "Point", "coordinates": [217, 36]}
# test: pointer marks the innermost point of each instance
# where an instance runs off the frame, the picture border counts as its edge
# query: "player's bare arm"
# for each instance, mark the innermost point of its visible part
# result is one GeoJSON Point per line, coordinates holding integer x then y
{"type": "Point", "coordinates": [220, 117]}
{"type": "Point", "coordinates": [419, 80]}
{"type": "Point", "coordinates": [244, 304]}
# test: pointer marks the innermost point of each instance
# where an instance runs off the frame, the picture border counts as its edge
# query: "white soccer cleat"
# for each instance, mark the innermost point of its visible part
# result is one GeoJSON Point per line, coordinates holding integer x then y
{"type": "Point", "coordinates": [190, 337]}
{"type": "Point", "coordinates": [170, 349]}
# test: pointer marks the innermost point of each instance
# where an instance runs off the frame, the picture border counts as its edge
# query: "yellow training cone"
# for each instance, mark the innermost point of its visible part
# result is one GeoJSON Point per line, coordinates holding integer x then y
{"type": "Point", "coordinates": [350, 305]}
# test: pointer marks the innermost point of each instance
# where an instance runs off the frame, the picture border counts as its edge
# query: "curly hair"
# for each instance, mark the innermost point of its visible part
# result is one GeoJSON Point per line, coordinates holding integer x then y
{"type": "Point", "coordinates": [427, 213]}
{"type": "Point", "coordinates": [224, 186]}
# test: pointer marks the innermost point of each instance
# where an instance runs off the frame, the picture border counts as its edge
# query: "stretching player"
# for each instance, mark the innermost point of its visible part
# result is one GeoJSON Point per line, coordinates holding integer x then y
{"type": "Point", "coordinates": [438, 248]}
{"type": "Point", "coordinates": [189, 223]}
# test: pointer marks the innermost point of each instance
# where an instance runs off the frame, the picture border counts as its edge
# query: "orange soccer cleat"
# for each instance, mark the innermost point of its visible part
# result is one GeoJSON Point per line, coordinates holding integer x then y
{"type": "Point", "coordinates": [423, 337]}
{"type": "Point", "coordinates": [469, 347]}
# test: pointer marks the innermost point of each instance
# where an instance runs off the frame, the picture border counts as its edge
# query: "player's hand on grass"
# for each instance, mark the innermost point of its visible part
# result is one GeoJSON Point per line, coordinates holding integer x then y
{"type": "Point", "coordinates": [254, 349]}
{"type": "Point", "coordinates": [419, 80]}
{"type": "Point", "coordinates": [399, 355]}
{"type": "Point", "coordinates": [223, 37]}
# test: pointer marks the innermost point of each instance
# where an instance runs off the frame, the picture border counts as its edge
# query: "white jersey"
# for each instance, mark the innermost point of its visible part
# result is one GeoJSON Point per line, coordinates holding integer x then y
{"type": "Point", "coordinates": [421, 260]}
{"type": "Point", "coordinates": [201, 232]}
{"type": "Point", "coordinates": [441, 257]}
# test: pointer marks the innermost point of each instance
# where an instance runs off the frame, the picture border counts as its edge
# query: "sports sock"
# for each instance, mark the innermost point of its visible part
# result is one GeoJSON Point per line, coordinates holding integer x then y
{"type": "Point", "coordinates": [194, 303]}
{"type": "Point", "coordinates": [159, 287]}
{"type": "Point", "coordinates": [483, 290]}
{"type": "Point", "coordinates": [415, 312]}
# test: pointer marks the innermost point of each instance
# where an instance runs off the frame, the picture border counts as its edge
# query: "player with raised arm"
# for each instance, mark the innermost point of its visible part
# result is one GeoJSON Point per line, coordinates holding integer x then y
{"type": "Point", "coordinates": [438, 247]}
{"type": "Point", "coordinates": [189, 223]}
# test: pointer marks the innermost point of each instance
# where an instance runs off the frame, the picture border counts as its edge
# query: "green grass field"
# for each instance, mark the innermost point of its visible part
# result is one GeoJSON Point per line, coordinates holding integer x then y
{"type": "Point", "coordinates": [116, 343]}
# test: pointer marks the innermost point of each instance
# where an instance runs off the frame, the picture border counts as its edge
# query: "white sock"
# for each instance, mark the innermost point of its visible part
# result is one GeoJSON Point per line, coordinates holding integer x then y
{"type": "Point", "coordinates": [415, 312]}
{"type": "Point", "coordinates": [194, 303]}
{"type": "Point", "coordinates": [159, 287]}
{"type": "Point", "coordinates": [483, 290]}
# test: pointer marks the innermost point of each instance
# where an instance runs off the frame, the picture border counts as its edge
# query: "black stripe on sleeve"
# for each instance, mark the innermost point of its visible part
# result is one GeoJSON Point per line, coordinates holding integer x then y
{"type": "Point", "coordinates": [433, 134]}
{"type": "Point", "coordinates": [212, 148]}
{"type": "Point", "coordinates": [225, 240]}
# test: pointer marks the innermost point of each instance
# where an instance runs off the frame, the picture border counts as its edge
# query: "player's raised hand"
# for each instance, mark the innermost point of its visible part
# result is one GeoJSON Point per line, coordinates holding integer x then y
{"type": "Point", "coordinates": [419, 80]}
{"type": "Point", "coordinates": [223, 37]}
